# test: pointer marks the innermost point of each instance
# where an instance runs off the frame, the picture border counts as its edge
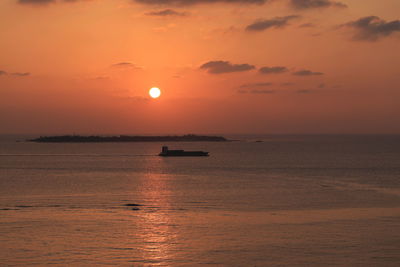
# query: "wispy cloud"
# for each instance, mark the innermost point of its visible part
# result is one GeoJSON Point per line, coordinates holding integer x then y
{"type": "Point", "coordinates": [194, 2]}
{"type": "Point", "coordinates": [304, 91]}
{"type": "Point", "coordinates": [256, 91]}
{"type": "Point", "coordinates": [250, 85]}
{"type": "Point", "coordinates": [18, 74]}
{"type": "Point", "coordinates": [137, 98]}
{"type": "Point", "coordinates": [310, 4]}
{"type": "Point", "coordinates": [307, 73]}
{"type": "Point", "coordinates": [166, 13]}
{"type": "Point", "coordinates": [307, 25]}
{"type": "Point", "coordinates": [278, 22]}
{"type": "Point", "coordinates": [36, 2]}
{"type": "Point", "coordinates": [272, 70]}
{"type": "Point", "coordinates": [125, 65]}
{"type": "Point", "coordinates": [218, 67]}
{"type": "Point", "coordinates": [44, 2]}
{"type": "Point", "coordinates": [372, 28]}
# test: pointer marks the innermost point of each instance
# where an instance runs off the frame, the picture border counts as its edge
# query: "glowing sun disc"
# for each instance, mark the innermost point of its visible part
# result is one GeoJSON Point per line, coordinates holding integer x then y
{"type": "Point", "coordinates": [154, 92]}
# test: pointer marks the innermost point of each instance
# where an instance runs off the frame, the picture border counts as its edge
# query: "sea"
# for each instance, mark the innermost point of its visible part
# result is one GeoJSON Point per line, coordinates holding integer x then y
{"type": "Point", "coordinates": [287, 200]}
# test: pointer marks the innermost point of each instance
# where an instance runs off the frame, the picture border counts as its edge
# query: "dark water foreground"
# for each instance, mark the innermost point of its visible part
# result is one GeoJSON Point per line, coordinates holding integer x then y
{"type": "Point", "coordinates": [289, 201]}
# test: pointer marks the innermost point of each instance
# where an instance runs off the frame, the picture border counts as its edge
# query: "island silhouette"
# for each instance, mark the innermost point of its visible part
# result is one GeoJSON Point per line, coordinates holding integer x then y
{"type": "Point", "coordinates": [127, 138]}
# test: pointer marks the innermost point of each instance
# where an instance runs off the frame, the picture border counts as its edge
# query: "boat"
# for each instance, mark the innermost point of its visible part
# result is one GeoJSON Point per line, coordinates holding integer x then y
{"type": "Point", "coordinates": [165, 152]}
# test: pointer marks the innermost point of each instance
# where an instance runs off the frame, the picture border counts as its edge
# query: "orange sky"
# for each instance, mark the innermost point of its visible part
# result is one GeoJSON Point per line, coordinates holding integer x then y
{"type": "Point", "coordinates": [224, 66]}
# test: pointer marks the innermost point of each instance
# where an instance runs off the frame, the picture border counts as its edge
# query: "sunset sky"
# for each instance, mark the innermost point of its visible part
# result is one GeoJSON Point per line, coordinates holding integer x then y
{"type": "Point", "coordinates": [223, 66]}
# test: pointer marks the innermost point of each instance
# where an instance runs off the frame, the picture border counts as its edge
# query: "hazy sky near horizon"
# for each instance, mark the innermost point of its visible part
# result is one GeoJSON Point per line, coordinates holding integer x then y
{"type": "Point", "coordinates": [223, 66]}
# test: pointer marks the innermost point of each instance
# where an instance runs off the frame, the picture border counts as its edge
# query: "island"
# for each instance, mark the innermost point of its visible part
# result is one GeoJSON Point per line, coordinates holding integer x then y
{"type": "Point", "coordinates": [127, 138]}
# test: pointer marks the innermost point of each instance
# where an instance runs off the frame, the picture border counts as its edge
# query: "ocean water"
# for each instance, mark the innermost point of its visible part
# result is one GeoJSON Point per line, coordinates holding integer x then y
{"type": "Point", "coordinates": [288, 201]}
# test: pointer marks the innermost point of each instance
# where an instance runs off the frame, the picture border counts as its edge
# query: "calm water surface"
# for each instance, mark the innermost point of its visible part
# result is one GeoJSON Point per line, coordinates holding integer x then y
{"type": "Point", "coordinates": [288, 201]}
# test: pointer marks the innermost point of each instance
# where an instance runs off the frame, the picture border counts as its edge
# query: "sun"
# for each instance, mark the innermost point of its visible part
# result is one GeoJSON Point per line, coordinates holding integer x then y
{"type": "Point", "coordinates": [155, 92]}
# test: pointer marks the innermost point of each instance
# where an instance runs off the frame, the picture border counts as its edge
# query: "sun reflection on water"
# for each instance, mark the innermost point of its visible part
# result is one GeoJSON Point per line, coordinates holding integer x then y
{"type": "Point", "coordinates": [158, 233]}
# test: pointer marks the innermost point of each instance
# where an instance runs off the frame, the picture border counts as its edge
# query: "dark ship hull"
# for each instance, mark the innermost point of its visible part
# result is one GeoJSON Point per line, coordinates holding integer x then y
{"type": "Point", "coordinates": [181, 153]}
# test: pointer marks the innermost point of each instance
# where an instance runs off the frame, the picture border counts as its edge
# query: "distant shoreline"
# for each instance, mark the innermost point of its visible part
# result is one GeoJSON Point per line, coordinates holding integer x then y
{"type": "Point", "coordinates": [127, 138]}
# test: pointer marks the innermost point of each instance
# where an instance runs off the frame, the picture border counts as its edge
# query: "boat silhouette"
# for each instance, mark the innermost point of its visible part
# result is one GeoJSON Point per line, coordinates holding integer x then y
{"type": "Point", "coordinates": [165, 152]}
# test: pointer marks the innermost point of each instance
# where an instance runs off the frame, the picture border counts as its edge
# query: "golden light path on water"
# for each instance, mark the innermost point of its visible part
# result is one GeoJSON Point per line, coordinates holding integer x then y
{"type": "Point", "coordinates": [157, 232]}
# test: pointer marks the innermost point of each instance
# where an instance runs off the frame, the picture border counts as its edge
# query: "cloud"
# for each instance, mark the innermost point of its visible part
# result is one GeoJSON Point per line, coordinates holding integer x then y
{"type": "Point", "coordinates": [278, 22]}
{"type": "Point", "coordinates": [194, 2]}
{"type": "Point", "coordinates": [307, 73]}
{"type": "Point", "coordinates": [272, 70]}
{"type": "Point", "coordinates": [307, 25]}
{"type": "Point", "coordinates": [166, 13]}
{"type": "Point", "coordinates": [372, 28]}
{"type": "Point", "coordinates": [249, 85]}
{"type": "Point", "coordinates": [137, 98]}
{"type": "Point", "coordinates": [218, 67]}
{"type": "Point", "coordinates": [21, 74]}
{"type": "Point", "coordinates": [154, 2]}
{"type": "Point", "coordinates": [304, 91]}
{"type": "Point", "coordinates": [125, 65]}
{"type": "Point", "coordinates": [35, 2]}
{"type": "Point", "coordinates": [45, 2]}
{"type": "Point", "coordinates": [101, 78]}
{"type": "Point", "coordinates": [256, 91]}
{"type": "Point", "coordinates": [308, 4]}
